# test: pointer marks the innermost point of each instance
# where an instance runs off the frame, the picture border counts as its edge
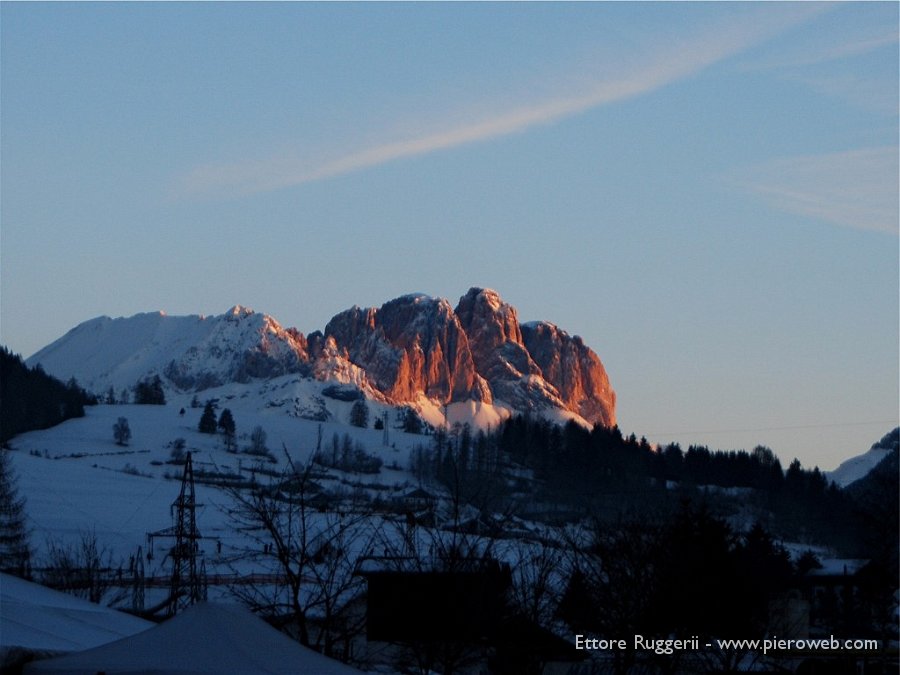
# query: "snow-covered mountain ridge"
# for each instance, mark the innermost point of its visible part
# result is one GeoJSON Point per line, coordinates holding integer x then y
{"type": "Point", "coordinates": [855, 468]}
{"type": "Point", "coordinates": [413, 350]}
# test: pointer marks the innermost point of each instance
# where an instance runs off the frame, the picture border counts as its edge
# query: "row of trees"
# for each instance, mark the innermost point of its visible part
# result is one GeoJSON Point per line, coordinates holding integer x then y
{"type": "Point", "coordinates": [226, 425]}
{"type": "Point", "coordinates": [148, 391]}
{"type": "Point", "coordinates": [32, 399]}
{"type": "Point", "coordinates": [598, 471]}
{"type": "Point", "coordinates": [346, 455]}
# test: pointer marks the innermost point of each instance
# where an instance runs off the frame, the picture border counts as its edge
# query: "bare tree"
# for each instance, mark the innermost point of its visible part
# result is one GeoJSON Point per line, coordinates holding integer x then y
{"type": "Point", "coordinates": [539, 575]}
{"type": "Point", "coordinates": [309, 558]}
{"type": "Point", "coordinates": [84, 569]}
{"type": "Point", "coordinates": [257, 442]}
{"type": "Point", "coordinates": [121, 431]}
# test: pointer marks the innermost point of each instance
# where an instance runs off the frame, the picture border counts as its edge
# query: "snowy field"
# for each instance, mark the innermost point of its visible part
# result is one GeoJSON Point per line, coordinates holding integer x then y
{"type": "Point", "coordinates": [77, 480]}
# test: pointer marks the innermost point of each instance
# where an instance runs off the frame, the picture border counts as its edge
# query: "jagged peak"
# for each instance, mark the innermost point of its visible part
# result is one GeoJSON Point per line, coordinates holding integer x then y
{"type": "Point", "coordinates": [490, 296]}
{"type": "Point", "coordinates": [488, 300]}
{"type": "Point", "coordinates": [549, 325]}
{"type": "Point", "coordinates": [415, 297]}
{"type": "Point", "coordinates": [239, 311]}
{"type": "Point", "coordinates": [422, 303]}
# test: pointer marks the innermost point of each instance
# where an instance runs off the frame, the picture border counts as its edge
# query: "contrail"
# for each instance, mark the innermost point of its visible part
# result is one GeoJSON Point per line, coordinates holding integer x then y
{"type": "Point", "coordinates": [677, 62]}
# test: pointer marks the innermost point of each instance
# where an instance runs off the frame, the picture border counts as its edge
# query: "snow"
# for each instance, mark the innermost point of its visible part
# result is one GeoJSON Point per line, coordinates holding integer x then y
{"type": "Point", "coordinates": [206, 638]}
{"type": "Point", "coordinates": [478, 414]}
{"type": "Point", "coordinates": [40, 619]}
{"type": "Point", "coordinates": [492, 298]}
{"type": "Point", "coordinates": [415, 297]}
{"type": "Point", "coordinates": [73, 475]}
{"type": "Point", "coordinates": [537, 324]}
{"type": "Point", "coordinates": [106, 352]}
{"type": "Point", "coordinates": [857, 467]}
{"type": "Point", "coordinates": [78, 482]}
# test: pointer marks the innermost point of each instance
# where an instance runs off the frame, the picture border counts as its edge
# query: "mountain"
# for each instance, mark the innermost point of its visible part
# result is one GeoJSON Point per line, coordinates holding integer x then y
{"type": "Point", "coordinates": [189, 352]}
{"type": "Point", "coordinates": [413, 350]}
{"type": "Point", "coordinates": [858, 467]}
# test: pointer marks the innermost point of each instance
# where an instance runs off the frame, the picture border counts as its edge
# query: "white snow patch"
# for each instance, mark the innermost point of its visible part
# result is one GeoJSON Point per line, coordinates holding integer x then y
{"type": "Point", "coordinates": [37, 618]}
{"type": "Point", "coordinates": [853, 469]}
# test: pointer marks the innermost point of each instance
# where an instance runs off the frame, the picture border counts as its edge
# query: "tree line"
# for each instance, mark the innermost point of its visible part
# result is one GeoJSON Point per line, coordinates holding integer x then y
{"type": "Point", "coordinates": [31, 399]}
{"type": "Point", "coordinates": [599, 471]}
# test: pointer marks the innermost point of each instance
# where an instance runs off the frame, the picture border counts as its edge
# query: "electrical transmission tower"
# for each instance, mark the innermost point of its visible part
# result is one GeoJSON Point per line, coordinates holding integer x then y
{"type": "Point", "coordinates": [187, 585]}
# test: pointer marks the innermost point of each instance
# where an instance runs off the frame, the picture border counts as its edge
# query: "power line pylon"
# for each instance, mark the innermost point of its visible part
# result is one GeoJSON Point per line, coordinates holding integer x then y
{"type": "Point", "coordinates": [186, 586]}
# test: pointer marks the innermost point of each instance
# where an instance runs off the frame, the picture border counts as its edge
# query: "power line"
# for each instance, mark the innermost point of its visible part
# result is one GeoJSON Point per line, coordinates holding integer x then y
{"type": "Point", "coordinates": [784, 428]}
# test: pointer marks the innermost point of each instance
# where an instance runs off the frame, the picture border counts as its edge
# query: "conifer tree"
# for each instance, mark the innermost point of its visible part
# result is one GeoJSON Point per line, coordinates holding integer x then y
{"type": "Point", "coordinates": [208, 419]}
{"type": "Point", "coordinates": [227, 425]}
{"type": "Point", "coordinates": [150, 392]}
{"type": "Point", "coordinates": [226, 422]}
{"type": "Point", "coordinates": [15, 553]}
{"type": "Point", "coordinates": [359, 414]}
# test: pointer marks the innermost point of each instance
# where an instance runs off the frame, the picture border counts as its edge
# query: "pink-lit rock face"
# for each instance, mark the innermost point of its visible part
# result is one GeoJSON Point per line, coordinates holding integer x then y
{"type": "Point", "coordinates": [409, 345]}
{"type": "Point", "coordinates": [478, 351]}
{"type": "Point", "coordinates": [574, 370]}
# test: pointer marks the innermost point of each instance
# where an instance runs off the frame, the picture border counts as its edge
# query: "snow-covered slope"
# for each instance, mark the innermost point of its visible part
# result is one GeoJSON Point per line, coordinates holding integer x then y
{"type": "Point", "coordinates": [857, 467]}
{"type": "Point", "coordinates": [189, 352]}
{"type": "Point", "coordinates": [76, 480]}
{"type": "Point", "coordinates": [38, 619]}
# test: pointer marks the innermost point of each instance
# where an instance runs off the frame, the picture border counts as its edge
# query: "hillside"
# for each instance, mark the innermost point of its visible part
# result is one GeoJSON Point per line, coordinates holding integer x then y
{"type": "Point", "coordinates": [855, 468]}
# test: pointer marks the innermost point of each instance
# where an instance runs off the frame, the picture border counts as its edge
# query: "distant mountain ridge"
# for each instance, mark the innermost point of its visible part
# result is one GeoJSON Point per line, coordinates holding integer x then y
{"type": "Point", "coordinates": [858, 467]}
{"type": "Point", "coordinates": [410, 347]}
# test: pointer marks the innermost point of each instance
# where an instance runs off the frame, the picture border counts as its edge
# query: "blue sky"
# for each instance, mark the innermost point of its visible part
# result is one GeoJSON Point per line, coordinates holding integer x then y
{"type": "Point", "coordinates": [706, 193]}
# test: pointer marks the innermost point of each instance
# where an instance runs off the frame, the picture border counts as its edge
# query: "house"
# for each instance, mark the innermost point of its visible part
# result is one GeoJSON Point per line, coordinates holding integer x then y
{"type": "Point", "coordinates": [455, 612]}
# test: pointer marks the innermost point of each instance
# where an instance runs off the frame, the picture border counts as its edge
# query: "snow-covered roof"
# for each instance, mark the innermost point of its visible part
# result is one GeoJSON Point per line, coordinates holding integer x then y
{"type": "Point", "coordinates": [206, 638]}
{"type": "Point", "coordinates": [39, 619]}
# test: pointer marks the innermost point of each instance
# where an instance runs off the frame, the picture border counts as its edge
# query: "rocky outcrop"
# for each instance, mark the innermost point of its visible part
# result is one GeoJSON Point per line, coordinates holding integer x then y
{"type": "Point", "coordinates": [410, 345]}
{"type": "Point", "coordinates": [495, 337]}
{"type": "Point", "coordinates": [535, 365]}
{"type": "Point", "coordinates": [574, 370]}
{"type": "Point", "coordinates": [418, 344]}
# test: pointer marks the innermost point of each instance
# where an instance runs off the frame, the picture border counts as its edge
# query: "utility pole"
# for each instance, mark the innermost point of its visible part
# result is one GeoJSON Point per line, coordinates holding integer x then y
{"type": "Point", "coordinates": [137, 574]}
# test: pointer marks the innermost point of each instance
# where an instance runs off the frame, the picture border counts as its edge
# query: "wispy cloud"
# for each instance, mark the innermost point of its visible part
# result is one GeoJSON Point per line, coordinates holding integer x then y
{"type": "Point", "coordinates": [856, 188]}
{"type": "Point", "coordinates": [804, 55]}
{"type": "Point", "coordinates": [876, 94]}
{"type": "Point", "coordinates": [673, 61]}
{"type": "Point", "coordinates": [823, 60]}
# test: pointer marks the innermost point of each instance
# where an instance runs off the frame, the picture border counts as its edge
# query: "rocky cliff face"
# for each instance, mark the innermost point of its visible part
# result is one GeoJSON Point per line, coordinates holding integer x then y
{"type": "Point", "coordinates": [412, 346]}
{"type": "Point", "coordinates": [574, 370]}
{"type": "Point", "coordinates": [479, 351]}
